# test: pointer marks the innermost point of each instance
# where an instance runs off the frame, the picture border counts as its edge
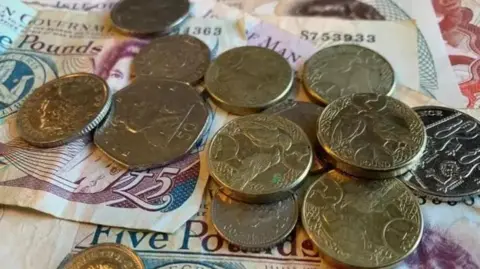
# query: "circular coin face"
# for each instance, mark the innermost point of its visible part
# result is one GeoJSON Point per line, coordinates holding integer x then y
{"type": "Point", "coordinates": [144, 17]}
{"type": "Point", "coordinates": [448, 166]}
{"type": "Point", "coordinates": [346, 69]}
{"type": "Point", "coordinates": [362, 223]}
{"type": "Point", "coordinates": [106, 256]}
{"type": "Point", "coordinates": [179, 57]}
{"type": "Point", "coordinates": [152, 123]}
{"type": "Point", "coordinates": [305, 115]}
{"type": "Point", "coordinates": [254, 226]}
{"type": "Point", "coordinates": [260, 157]}
{"type": "Point", "coordinates": [248, 79]}
{"type": "Point", "coordinates": [371, 135]}
{"type": "Point", "coordinates": [63, 110]}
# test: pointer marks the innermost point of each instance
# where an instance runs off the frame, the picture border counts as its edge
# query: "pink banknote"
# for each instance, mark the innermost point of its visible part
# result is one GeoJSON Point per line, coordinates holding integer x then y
{"type": "Point", "coordinates": [459, 25]}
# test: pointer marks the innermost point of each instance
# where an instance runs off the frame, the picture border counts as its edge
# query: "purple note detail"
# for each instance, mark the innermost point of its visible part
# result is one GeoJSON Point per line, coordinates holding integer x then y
{"type": "Point", "coordinates": [161, 189]}
{"type": "Point", "coordinates": [438, 251]}
{"type": "Point", "coordinates": [295, 50]}
{"type": "Point", "coordinates": [114, 62]}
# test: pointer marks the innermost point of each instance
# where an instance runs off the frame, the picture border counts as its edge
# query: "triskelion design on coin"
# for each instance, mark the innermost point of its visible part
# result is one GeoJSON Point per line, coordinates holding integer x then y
{"type": "Point", "coordinates": [260, 157]}
{"type": "Point", "coordinates": [341, 70]}
{"type": "Point", "coordinates": [371, 135]}
{"type": "Point", "coordinates": [152, 123]}
{"type": "Point", "coordinates": [144, 17]}
{"type": "Point", "coordinates": [254, 226]}
{"type": "Point", "coordinates": [248, 79]}
{"type": "Point", "coordinates": [106, 255]}
{"type": "Point", "coordinates": [179, 57]}
{"type": "Point", "coordinates": [63, 110]}
{"type": "Point", "coordinates": [362, 223]}
{"type": "Point", "coordinates": [448, 169]}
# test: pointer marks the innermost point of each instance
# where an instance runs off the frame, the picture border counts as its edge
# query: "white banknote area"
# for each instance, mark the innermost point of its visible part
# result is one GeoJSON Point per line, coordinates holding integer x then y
{"type": "Point", "coordinates": [35, 240]}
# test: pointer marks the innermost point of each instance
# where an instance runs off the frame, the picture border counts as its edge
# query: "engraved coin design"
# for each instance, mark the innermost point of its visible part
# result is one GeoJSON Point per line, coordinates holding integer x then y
{"type": "Point", "coordinates": [179, 57]}
{"type": "Point", "coordinates": [152, 123]}
{"type": "Point", "coordinates": [254, 226]}
{"type": "Point", "coordinates": [371, 135]}
{"type": "Point", "coordinates": [259, 157]}
{"type": "Point", "coordinates": [63, 110]}
{"type": "Point", "coordinates": [248, 79]}
{"type": "Point", "coordinates": [305, 115]}
{"type": "Point", "coordinates": [143, 17]}
{"type": "Point", "coordinates": [449, 167]}
{"type": "Point", "coordinates": [106, 256]}
{"type": "Point", "coordinates": [346, 69]}
{"type": "Point", "coordinates": [362, 223]}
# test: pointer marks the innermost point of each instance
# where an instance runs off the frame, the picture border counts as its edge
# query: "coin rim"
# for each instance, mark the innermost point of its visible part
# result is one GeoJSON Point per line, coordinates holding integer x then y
{"type": "Point", "coordinates": [270, 196]}
{"type": "Point", "coordinates": [361, 171]}
{"type": "Point", "coordinates": [151, 165]}
{"type": "Point", "coordinates": [334, 257]}
{"type": "Point", "coordinates": [247, 109]}
{"type": "Point", "coordinates": [417, 189]}
{"type": "Point", "coordinates": [271, 243]}
{"type": "Point", "coordinates": [117, 247]}
{"type": "Point", "coordinates": [94, 122]}
{"type": "Point", "coordinates": [168, 39]}
{"type": "Point", "coordinates": [167, 29]}
{"type": "Point", "coordinates": [319, 99]}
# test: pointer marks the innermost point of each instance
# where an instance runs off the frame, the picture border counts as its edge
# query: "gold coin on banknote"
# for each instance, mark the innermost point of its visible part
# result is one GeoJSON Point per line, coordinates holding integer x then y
{"type": "Point", "coordinates": [105, 256]}
{"type": "Point", "coordinates": [248, 79]}
{"type": "Point", "coordinates": [346, 69]}
{"type": "Point", "coordinates": [63, 110]}
{"type": "Point", "coordinates": [178, 57]}
{"type": "Point", "coordinates": [305, 115]}
{"type": "Point", "coordinates": [362, 223]}
{"type": "Point", "coordinates": [152, 122]}
{"type": "Point", "coordinates": [370, 135]}
{"type": "Point", "coordinates": [259, 158]}
{"type": "Point", "coordinates": [145, 17]}
{"type": "Point", "coordinates": [254, 226]}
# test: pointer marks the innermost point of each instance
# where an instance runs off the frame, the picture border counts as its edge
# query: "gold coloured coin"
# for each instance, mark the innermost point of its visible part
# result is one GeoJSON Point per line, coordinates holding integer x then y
{"type": "Point", "coordinates": [106, 256]}
{"type": "Point", "coordinates": [341, 70]}
{"type": "Point", "coordinates": [370, 135]}
{"type": "Point", "coordinates": [248, 79]}
{"type": "Point", "coordinates": [362, 223]}
{"type": "Point", "coordinates": [259, 158]}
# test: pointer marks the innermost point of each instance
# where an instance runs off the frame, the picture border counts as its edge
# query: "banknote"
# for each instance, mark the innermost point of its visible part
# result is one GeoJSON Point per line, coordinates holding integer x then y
{"type": "Point", "coordinates": [437, 78]}
{"type": "Point", "coordinates": [14, 18]}
{"type": "Point", "coordinates": [459, 23]}
{"type": "Point", "coordinates": [77, 181]}
{"type": "Point", "coordinates": [452, 242]}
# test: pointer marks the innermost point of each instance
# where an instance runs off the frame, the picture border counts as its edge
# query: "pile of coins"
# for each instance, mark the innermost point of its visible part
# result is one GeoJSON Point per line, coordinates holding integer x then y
{"type": "Point", "coordinates": [269, 163]}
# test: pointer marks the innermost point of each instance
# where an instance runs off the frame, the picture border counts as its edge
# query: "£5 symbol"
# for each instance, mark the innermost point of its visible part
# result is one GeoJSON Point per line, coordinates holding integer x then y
{"type": "Point", "coordinates": [148, 194]}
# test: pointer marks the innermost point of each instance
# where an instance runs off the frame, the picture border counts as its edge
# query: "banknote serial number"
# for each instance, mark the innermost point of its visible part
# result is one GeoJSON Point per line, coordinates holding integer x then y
{"type": "Point", "coordinates": [197, 30]}
{"type": "Point", "coordinates": [330, 36]}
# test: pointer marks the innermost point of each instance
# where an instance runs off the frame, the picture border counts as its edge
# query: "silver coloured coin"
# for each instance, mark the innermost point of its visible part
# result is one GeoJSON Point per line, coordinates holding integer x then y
{"type": "Point", "coordinates": [152, 123]}
{"type": "Point", "coordinates": [63, 110]}
{"type": "Point", "coordinates": [145, 17]}
{"type": "Point", "coordinates": [254, 226]}
{"type": "Point", "coordinates": [178, 57]}
{"type": "Point", "coordinates": [341, 70]}
{"type": "Point", "coordinates": [449, 168]}
{"type": "Point", "coordinates": [372, 136]}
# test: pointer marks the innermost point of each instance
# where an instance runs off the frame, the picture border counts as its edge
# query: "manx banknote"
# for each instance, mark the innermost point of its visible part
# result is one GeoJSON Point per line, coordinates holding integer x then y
{"type": "Point", "coordinates": [77, 181]}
